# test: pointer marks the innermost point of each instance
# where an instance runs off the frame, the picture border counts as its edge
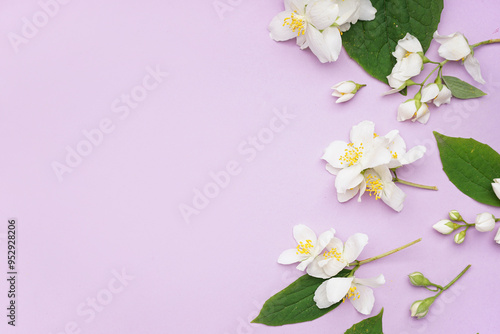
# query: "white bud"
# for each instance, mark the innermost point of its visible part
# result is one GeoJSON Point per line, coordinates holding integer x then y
{"type": "Point", "coordinates": [485, 222]}
{"type": "Point", "coordinates": [345, 90]}
{"type": "Point", "coordinates": [445, 226]}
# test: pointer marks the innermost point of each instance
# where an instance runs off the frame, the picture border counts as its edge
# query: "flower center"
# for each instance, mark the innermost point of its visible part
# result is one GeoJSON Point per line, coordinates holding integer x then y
{"type": "Point", "coordinates": [407, 54]}
{"type": "Point", "coordinates": [304, 248]}
{"type": "Point", "coordinates": [332, 254]}
{"type": "Point", "coordinates": [394, 155]}
{"type": "Point", "coordinates": [352, 154]}
{"type": "Point", "coordinates": [374, 185]}
{"type": "Point", "coordinates": [295, 23]}
{"type": "Point", "coordinates": [351, 294]}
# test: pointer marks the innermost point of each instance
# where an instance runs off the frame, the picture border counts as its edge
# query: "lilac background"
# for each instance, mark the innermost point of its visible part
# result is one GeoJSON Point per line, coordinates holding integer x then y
{"type": "Point", "coordinates": [119, 209]}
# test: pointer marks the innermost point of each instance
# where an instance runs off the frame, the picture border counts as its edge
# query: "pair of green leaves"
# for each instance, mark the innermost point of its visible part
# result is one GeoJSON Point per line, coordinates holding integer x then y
{"type": "Point", "coordinates": [296, 304]}
{"type": "Point", "coordinates": [471, 166]}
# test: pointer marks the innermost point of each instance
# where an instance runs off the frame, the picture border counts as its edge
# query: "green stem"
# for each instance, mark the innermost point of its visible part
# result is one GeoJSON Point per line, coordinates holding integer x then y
{"type": "Point", "coordinates": [437, 286]}
{"type": "Point", "coordinates": [489, 41]}
{"type": "Point", "coordinates": [416, 185]}
{"type": "Point", "coordinates": [434, 70]}
{"type": "Point", "coordinates": [456, 278]}
{"type": "Point", "coordinates": [359, 263]}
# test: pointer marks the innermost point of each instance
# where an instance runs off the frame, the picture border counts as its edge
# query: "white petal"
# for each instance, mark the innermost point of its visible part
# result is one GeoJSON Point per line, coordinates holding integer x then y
{"type": "Point", "coordinates": [321, 298]}
{"type": "Point", "coordinates": [423, 114]}
{"type": "Point", "coordinates": [323, 14]}
{"type": "Point", "coordinates": [444, 97]}
{"type": "Point", "coordinates": [332, 169]}
{"type": "Point", "coordinates": [354, 246]}
{"type": "Point", "coordinates": [278, 31]}
{"type": "Point", "coordinates": [318, 45]}
{"type": "Point", "coordinates": [371, 282]}
{"type": "Point", "coordinates": [366, 11]}
{"type": "Point", "coordinates": [337, 288]}
{"type": "Point", "coordinates": [364, 303]}
{"type": "Point", "coordinates": [302, 233]}
{"type": "Point", "coordinates": [411, 65]}
{"type": "Point", "coordinates": [333, 153]}
{"type": "Point", "coordinates": [410, 43]}
{"type": "Point", "coordinates": [348, 12]}
{"type": "Point", "coordinates": [337, 85]}
{"type": "Point", "coordinates": [412, 155]}
{"type": "Point", "coordinates": [346, 87]}
{"type": "Point", "coordinates": [348, 178]}
{"type": "Point", "coordinates": [303, 264]}
{"type": "Point", "coordinates": [406, 110]}
{"type": "Point", "coordinates": [497, 237]}
{"type": "Point", "coordinates": [349, 194]}
{"type": "Point", "coordinates": [333, 267]}
{"type": "Point", "coordinates": [429, 92]}
{"type": "Point", "coordinates": [393, 196]}
{"type": "Point", "coordinates": [376, 154]}
{"type": "Point", "coordinates": [315, 270]}
{"type": "Point", "coordinates": [362, 133]}
{"type": "Point", "coordinates": [290, 256]}
{"type": "Point", "coordinates": [496, 189]}
{"type": "Point", "coordinates": [324, 239]}
{"type": "Point", "coordinates": [472, 66]}
{"type": "Point", "coordinates": [333, 42]}
{"type": "Point", "coordinates": [453, 47]}
{"type": "Point", "coordinates": [344, 98]}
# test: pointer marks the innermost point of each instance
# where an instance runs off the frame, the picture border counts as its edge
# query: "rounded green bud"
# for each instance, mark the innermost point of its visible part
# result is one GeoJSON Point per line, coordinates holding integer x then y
{"type": "Point", "coordinates": [418, 279]}
{"type": "Point", "coordinates": [459, 237]}
{"type": "Point", "coordinates": [454, 215]}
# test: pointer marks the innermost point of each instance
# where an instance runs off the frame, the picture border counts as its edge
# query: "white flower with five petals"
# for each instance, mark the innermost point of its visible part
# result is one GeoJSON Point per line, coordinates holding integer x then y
{"type": "Point", "coordinates": [456, 47]}
{"type": "Point", "coordinates": [308, 246]}
{"type": "Point", "coordinates": [348, 160]}
{"type": "Point", "coordinates": [358, 291]}
{"type": "Point", "coordinates": [311, 23]}
{"type": "Point", "coordinates": [337, 256]}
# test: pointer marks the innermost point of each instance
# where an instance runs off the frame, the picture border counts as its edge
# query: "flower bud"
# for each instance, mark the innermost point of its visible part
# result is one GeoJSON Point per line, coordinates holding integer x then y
{"type": "Point", "coordinates": [445, 226]}
{"type": "Point", "coordinates": [497, 237]}
{"type": "Point", "coordinates": [345, 90]}
{"type": "Point", "coordinates": [454, 215]}
{"type": "Point", "coordinates": [420, 308]}
{"type": "Point", "coordinates": [485, 222]}
{"type": "Point", "coordinates": [418, 279]}
{"type": "Point", "coordinates": [459, 237]}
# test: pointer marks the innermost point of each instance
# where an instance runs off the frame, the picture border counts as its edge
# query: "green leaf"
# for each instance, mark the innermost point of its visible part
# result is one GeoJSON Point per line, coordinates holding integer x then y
{"type": "Point", "coordinates": [471, 166]}
{"type": "Point", "coordinates": [371, 43]}
{"type": "Point", "coordinates": [371, 325]}
{"type": "Point", "coordinates": [461, 89]}
{"type": "Point", "coordinates": [295, 303]}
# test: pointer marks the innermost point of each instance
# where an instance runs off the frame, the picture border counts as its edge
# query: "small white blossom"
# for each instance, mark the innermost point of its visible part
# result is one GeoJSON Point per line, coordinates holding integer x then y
{"type": "Point", "coordinates": [444, 226]}
{"type": "Point", "coordinates": [345, 90]}
{"type": "Point", "coordinates": [456, 47]}
{"type": "Point", "coordinates": [438, 93]}
{"type": "Point", "coordinates": [358, 291]}
{"type": "Point", "coordinates": [415, 110]}
{"type": "Point", "coordinates": [409, 62]}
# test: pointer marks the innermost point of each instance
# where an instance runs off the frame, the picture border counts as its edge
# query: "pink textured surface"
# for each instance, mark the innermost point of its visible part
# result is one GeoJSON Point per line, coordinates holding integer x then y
{"type": "Point", "coordinates": [119, 207]}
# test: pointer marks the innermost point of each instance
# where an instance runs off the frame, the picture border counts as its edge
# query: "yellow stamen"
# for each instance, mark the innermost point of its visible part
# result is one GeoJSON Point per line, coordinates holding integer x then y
{"type": "Point", "coordinates": [394, 155]}
{"type": "Point", "coordinates": [351, 294]}
{"type": "Point", "coordinates": [352, 154]}
{"type": "Point", "coordinates": [304, 248]}
{"type": "Point", "coordinates": [332, 254]}
{"type": "Point", "coordinates": [374, 185]}
{"type": "Point", "coordinates": [295, 23]}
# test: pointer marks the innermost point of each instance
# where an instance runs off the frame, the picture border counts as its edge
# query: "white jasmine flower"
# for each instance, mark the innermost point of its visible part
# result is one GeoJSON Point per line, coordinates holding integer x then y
{"type": "Point", "coordinates": [353, 10]}
{"type": "Point", "coordinates": [445, 226]}
{"type": "Point", "coordinates": [348, 160]}
{"type": "Point", "coordinates": [345, 90]}
{"type": "Point", "coordinates": [379, 184]}
{"type": "Point", "coordinates": [497, 237]}
{"type": "Point", "coordinates": [496, 187]}
{"type": "Point", "coordinates": [308, 246]}
{"type": "Point", "coordinates": [456, 47]}
{"type": "Point", "coordinates": [438, 93]}
{"type": "Point", "coordinates": [415, 110]}
{"type": "Point", "coordinates": [485, 222]}
{"type": "Point", "coordinates": [409, 62]}
{"type": "Point", "coordinates": [397, 148]}
{"type": "Point", "coordinates": [337, 256]}
{"type": "Point", "coordinates": [311, 23]}
{"type": "Point", "coordinates": [358, 291]}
